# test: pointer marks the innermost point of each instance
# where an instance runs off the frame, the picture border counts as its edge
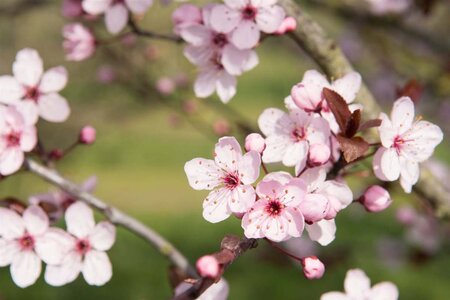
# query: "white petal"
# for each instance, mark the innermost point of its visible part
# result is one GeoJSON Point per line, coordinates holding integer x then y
{"type": "Point", "coordinates": [228, 154]}
{"type": "Point", "coordinates": [224, 19]}
{"type": "Point", "coordinates": [95, 7]}
{"type": "Point", "coordinates": [197, 35]}
{"type": "Point", "coordinates": [249, 166]}
{"type": "Point", "coordinates": [8, 250]}
{"type": "Point", "coordinates": [226, 86]}
{"type": "Point", "coordinates": [348, 86]}
{"type": "Point", "coordinates": [205, 84]}
{"type": "Point", "coordinates": [28, 67]}
{"type": "Point", "coordinates": [203, 174]}
{"type": "Point", "coordinates": [116, 18]}
{"type": "Point", "coordinates": [387, 131]}
{"type": "Point", "coordinates": [242, 199]}
{"type": "Point", "coordinates": [29, 111]}
{"type": "Point", "coordinates": [97, 268]}
{"type": "Point", "coordinates": [276, 147]}
{"type": "Point", "coordinates": [390, 164]}
{"type": "Point", "coordinates": [25, 268]}
{"type": "Point", "coordinates": [314, 178]}
{"type": "Point", "coordinates": [103, 236]}
{"type": "Point", "coordinates": [409, 174]}
{"type": "Point", "coordinates": [270, 18]}
{"type": "Point", "coordinates": [199, 55]}
{"type": "Point", "coordinates": [138, 6]}
{"type": "Point", "coordinates": [215, 206]}
{"type": "Point", "coordinates": [11, 159]}
{"type": "Point", "coordinates": [66, 272]}
{"type": "Point", "coordinates": [80, 220]}
{"type": "Point", "coordinates": [53, 80]}
{"type": "Point", "coordinates": [11, 90]}
{"type": "Point", "coordinates": [237, 61]}
{"type": "Point", "coordinates": [53, 107]}
{"type": "Point", "coordinates": [274, 120]}
{"type": "Point", "coordinates": [421, 140]}
{"type": "Point", "coordinates": [356, 284]}
{"type": "Point", "coordinates": [295, 153]}
{"type": "Point", "coordinates": [335, 296]}
{"type": "Point", "coordinates": [384, 291]}
{"type": "Point", "coordinates": [246, 35]}
{"type": "Point", "coordinates": [28, 140]}
{"type": "Point", "coordinates": [322, 232]}
{"type": "Point", "coordinates": [11, 224]}
{"type": "Point", "coordinates": [53, 246]}
{"type": "Point", "coordinates": [402, 114]}
{"type": "Point", "coordinates": [36, 220]}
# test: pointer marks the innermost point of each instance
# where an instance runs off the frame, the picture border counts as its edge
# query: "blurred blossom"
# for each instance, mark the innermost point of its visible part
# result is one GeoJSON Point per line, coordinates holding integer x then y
{"type": "Point", "coordinates": [165, 86]}
{"type": "Point", "coordinates": [174, 120]}
{"type": "Point", "coordinates": [186, 15]}
{"type": "Point", "coordinates": [208, 266]}
{"type": "Point", "coordinates": [301, 247]}
{"type": "Point", "coordinates": [129, 40]}
{"type": "Point", "coordinates": [181, 80]}
{"type": "Point", "coordinates": [79, 42]}
{"type": "Point", "coordinates": [217, 291]}
{"type": "Point", "coordinates": [381, 7]}
{"type": "Point", "coordinates": [106, 74]}
{"type": "Point", "coordinates": [221, 127]}
{"type": "Point", "coordinates": [391, 252]}
{"type": "Point", "coordinates": [87, 135]}
{"type": "Point", "coordinates": [351, 44]}
{"type": "Point", "coordinates": [406, 215]}
{"type": "Point", "coordinates": [71, 8]}
{"type": "Point", "coordinates": [424, 233]}
{"type": "Point", "coordinates": [151, 53]}
{"type": "Point", "coordinates": [254, 141]}
{"type": "Point", "coordinates": [190, 106]}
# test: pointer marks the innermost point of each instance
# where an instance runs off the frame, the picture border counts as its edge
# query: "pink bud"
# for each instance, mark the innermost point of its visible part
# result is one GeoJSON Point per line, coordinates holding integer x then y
{"type": "Point", "coordinates": [288, 24]}
{"type": "Point", "coordinates": [376, 199]}
{"type": "Point", "coordinates": [71, 8]}
{"type": "Point", "coordinates": [106, 74]}
{"type": "Point", "coordinates": [318, 154]}
{"type": "Point", "coordinates": [208, 266]}
{"type": "Point", "coordinates": [87, 135]}
{"type": "Point", "coordinates": [185, 15]}
{"type": "Point", "coordinates": [313, 268]}
{"type": "Point", "coordinates": [165, 86]}
{"type": "Point", "coordinates": [56, 154]}
{"type": "Point", "coordinates": [255, 142]}
{"type": "Point", "coordinates": [221, 127]}
{"type": "Point", "coordinates": [406, 215]}
{"type": "Point", "coordinates": [190, 106]}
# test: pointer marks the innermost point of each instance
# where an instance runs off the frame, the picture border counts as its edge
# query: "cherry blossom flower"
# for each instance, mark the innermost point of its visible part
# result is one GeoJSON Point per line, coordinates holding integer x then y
{"type": "Point", "coordinates": [87, 248]}
{"type": "Point", "coordinates": [71, 8]}
{"type": "Point", "coordinates": [254, 141]}
{"type": "Point", "coordinates": [87, 135]}
{"type": "Point", "coordinates": [290, 135]}
{"type": "Point", "coordinates": [16, 137]}
{"type": "Point", "coordinates": [79, 42]}
{"type": "Point", "coordinates": [276, 215]}
{"type": "Point", "coordinates": [37, 89]}
{"type": "Point", "coordinates": [405, 144]}
{"type": "Point", "coordinates": [245, 19]}
{"type": "Point", "coordinates": [217, 291]}
{"type": "Point", "coordinates": [185, 15]}
{"type": "Point", "coordinates": [308, 96]}
{"type": "Point", "coordinates": [55, 203]}
{"type": "Point", "coordinates": [27, 240]}
{"type": "Point", "coordinates": [229, 176]}
{"type": "Point", "coordinates": [357, 287]}
{"type": "Point", "coordinates": [116, 11]}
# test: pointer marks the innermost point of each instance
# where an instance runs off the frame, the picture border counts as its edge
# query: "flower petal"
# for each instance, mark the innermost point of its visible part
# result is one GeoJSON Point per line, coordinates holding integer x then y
{"type": "Point", "coordinates": [242, 199]}
{"type": "Point", "coordinates": [249, 166]}
{"type": "Point", "coordinates": [103, 236]}
{"type": "Point", "coordinates": [97, 268]}
{"type": "Point", "coordinates": [80, 220]}
{"type": "Point", "coordinates": [402, 114]}
{"type": "Point", "coordinates": [11, 224]}
{"type": "Point", "coordinates": [138, 6]}
{"type": "Point", "coordinates": [384, 291]}
{"type": "Point", "coordinates": [8, 250]}
{"type": "Point", "coordinates": [11, 159]}
{"type": "Point", "coordinates": [203, 174]}
{"type": "Point", "coordinates": [25, 268]}
{"type": "Point", "coordinates": [28, 67]}
{"type": "Point", "coordinates": [228, 154]}
{"type": "Point", "coordinates": [11, 90]}
{"type": "Point", "coordinates": [390, 164]}
{"type": "Point", "coordinates": [53, 80]}
{"type": "Point", "coordinates": [215, 206]}
{"type": "Point", "coordinates": [356, 284]}
{"type": "Point", "coordinates": [226, 86]}
{"type": "Point", "coordinates": [421, 140]}
{"type": "Point", "coordinates": [66, 272]}
{"type": "Point", "coordinates": [274, 120]}
{"type": "Point", "coordinates": [53, 107]}
{"type": "Point", "coordinates": [95, 7]}
{"type": "Point", "coordinates": [270, 18]}
{"type": "Point", "coordinates": [348, 86]}
{"type": "Point", "coordinates": [322, 232]}
{"type": "Point", "coordinates": [116, 17]}
{"type": "Point", "coordinates": [224, 19]}
{"type": "Point", "coordinates": [246, 35]}
{"type": "Point", "coordinates": [409, 174]}
{"type": "Point", "coordinates": [335, 296]}
{"type": "Point", "coordinates": [53, 246]}
{"type": "Point", "coordinates": [36, 220]}
{"type": "Point", "coordinates": [197, 35]}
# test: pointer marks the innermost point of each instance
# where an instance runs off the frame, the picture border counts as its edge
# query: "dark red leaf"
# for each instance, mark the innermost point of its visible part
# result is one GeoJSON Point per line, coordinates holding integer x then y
{"type": "Point", "coordinates": [338, 107]}
{"type": "Point", "coordinates": [412, 89]}
{"type": "Point", "coordinates": [370, 124]}
{"type": "Point", "coordinates": [352, 125]}
{"type": "Point", "coordinates": [352, 148]}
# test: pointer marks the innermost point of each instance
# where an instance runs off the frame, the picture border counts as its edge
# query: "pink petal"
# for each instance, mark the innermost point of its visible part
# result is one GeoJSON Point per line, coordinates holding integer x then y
{"type": "Point", "coordinates": [296, 153]}
{"type": "Point", "coordinates": [80, 220]}
{"type": "Point", "coordinates": [276, 146]}
{"type": "Point", "coordinates": [28, 67]}
{"type": "Point", "coordinates": [409, 174]}
{"type": "Point", "coordinates": [25, 268]}
{"type": "Point", "coordinates": [53, 80]}
{"type": "Point", "coordinates": [280, 176]}
{"type": "Point", "coordinates": [348, 86]}
{"type": "Point", "coordinates": [199, 56]}
{"type": "Point", "coordinates": [8, 250]}
{"type": "Point", "coordinates": [318, 131]}
{"type": "Point", "coordinates": [103, 236]}
{"type": "Point", "coordinates": [387, 132]}
{"type": "Point", "coordinates": [242, 199]}
{"type": "Point", "coordinates": [274, 120]}
{"type": "Point", "coordinates": [236, 3]}
{"type": "Point", "coordinates": [421, 140]}
{"type": "Point", "coordinates": [314, 178]}
{"type": "Point", "coordinates": [215, 206]}
{"type": "Point", "coordinates": [29, 111]}
{"type": "Point", "coordinates": [36, 220]}
{"type": "Point", "coordinates": [251, 222]}
{"type": "Point", "coordinates": [246, 35]}
{"type": "Point", "coordinates": [402, 114]}
{"type": "Point", "coordinates": [66, 272]}
{"type": "Point", "coordinates": [376, 164]}
{"type": "Point", "coordinates": [322, 232]}
{"type": "Point", "coordinates": [384, 291]}
{"type": "Point", "coordinates": [269, 189]}
{"type": "Point", "coordinates": [11, 91]}
{"type": "Point", "coordinates": [203, 174]}
{"type": "Point", "coordinates": [338, 193]}
{"type": "Point", "coordinates": [293, 192]}
{"type": "Point", "coordinates": [53, 108]}
{"type": "Point", "coordinates": [11, 159]}
{"type": "Point", "coordinates": [390, 165]}
{"type": "Point", "coordinates": [224, 19]}
{"type": "Point", "coordinates": [314, 207]}
{"type": "Point", "coordinates": [228, 154]}
{"type": "Point", "coordinates": [205, 84]}
{"type": "Point", "coordinates": [310, 96]}
{"type": "Point", "coordinates": [116, 18]}
{"type": "Point", "coordinates": [89, 184]}
{"type": "Point", "coordinates": [54, 245]}
{"type": "Point", "coordinates": [249, 166]}
{"type": "Point", "coordinates": [11, 224]}
{"type": "Point", "coordinates": [226, 86]}
{"type": "Point", "coordinates": [95, 7]}
{"type": "Point", "coordinates": [356, 284]}
{"type": "Point", "coordinates": [270, 18]}
{"type": "Point", "coordinates": [335, 296]}
{"type": "Point", "coordinates": [237, 61]}
{"type": "Point", "coordinates": [197, 35]}
{"type": "Point", "coordinates": [138, 6]}
{"type": "Point", "coordinates": [28, 140]}
{"type": "Point", "coordinates": [97, 268]}
{"type": "Point", "coordinates": [296, 222]}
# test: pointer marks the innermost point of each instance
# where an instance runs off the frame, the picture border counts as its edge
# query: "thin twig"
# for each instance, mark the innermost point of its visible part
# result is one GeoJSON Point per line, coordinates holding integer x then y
{"type": "Point", "coordinates": [114, 215]}
{"type": "Point", "coordinates": [153, 35]}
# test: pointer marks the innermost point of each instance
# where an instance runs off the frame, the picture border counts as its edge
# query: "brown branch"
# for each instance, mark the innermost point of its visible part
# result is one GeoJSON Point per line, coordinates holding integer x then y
{"type": "Point", "coordinates": [152, 35]}
{"type": "Point", "coordinates": [114, 215]}
{"type": "Point", "coordinates": [231, 248]}
{"type": "Point", "coordinates": [312, 38]}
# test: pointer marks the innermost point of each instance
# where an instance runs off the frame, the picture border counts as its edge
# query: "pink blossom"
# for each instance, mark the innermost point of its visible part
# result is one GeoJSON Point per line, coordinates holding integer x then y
{"type": "Point", "coordinates": [319, 154]}
{"type": "Point", "coordinates": [221, 127]}
{"type": "Point", "coordinates": [313, 268]}
{"type": "Point", "coordinates": [71, 8]}
{"type": "Point", "coordinates": [229, 176]}
{"type": "Point", "coordinates": [87, 135]}
{"type": "Point", "coordinates": [245, 19]}
{"type": "Point", "coordinates": [37, 89]}
{"type": "Point", "coordinates": [289, 136]}
{"type": "Point", "coordinates": [87, 246]}
{"type": "Point", "coordinates": [16, 137]}
{"type": "Point", "coordinates": [57, 202]}
{"type": "Point", "coordinates": [289, 24]}
{"type": "Point", "coordinates": [405, 144]}
{"type": "Point", "coordinates": [308, 96]}
{"type": "Point", "coordinates": [106, 74]}
{"type": "Point", "coordinates": [79, 42]}
{"type": "Point", "coordinates": [165, 85]}
{"type": "Point", "coordinates": [254, 141]}
{"type": "Point", "coordinates": [276, 215]}
{"type": "Point", "coordinates": [376, 199]}
{"type": "Point", "coordinates": [217, 291]}
{"type": "Point", "coordinates": [357, 286]}
{"type": "Point", "coordinates": [185, 15]}
{"type": "Point", "coordinates": [381, 7]}
{"type": "Point", "coordinates": [116, 12]}
{"type": "Point", "coordinates": [208, 266]}
{"type": "Point", "coordinates": [27, 240]}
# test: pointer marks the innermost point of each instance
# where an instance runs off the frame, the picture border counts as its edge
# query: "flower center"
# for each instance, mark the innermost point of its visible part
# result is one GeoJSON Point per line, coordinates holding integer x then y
{"type": "Point", "coordinates": [83, 246]}
{"type": "Point", "coordinates": [32, 93]}
{"type": "Point", "coordinates": [13, 139]}
{"type": "Point", "coordinates": [220, 40]}
{"type": "Point", "coordinates": [298, 134]}
{"type": "Point", "coordinates": [26, 242]}
{"type": "Point", "coordinates": [398, 143]}
{"type": "Point", "coordinates": [274, 208]}
{"type": "Point", "coordinates": [249, 13]}
{"type": "Point", "coordinates": [231, 180]}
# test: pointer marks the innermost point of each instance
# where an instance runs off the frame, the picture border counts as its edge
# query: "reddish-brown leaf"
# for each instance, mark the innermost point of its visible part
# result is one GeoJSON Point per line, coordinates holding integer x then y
{"type": "Point", "coordinates": [352, 125]}
{"type": "Point", "coordinates": [370, 124]}
{"type": "Point", "coordinates": [352, 148]}
{"type": "Point", "coordinates": [338, 107]}
{"type": "Point", "coordinates": [412, 89]}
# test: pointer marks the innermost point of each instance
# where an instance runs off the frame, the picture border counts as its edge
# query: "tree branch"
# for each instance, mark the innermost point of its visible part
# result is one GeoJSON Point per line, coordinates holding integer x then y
{"type": "Point", "coordinates": [310, 36]}
{"type": "Point", "coordinates": [114, 215]}
{"type": "Point", "coordinates": [152, 35]}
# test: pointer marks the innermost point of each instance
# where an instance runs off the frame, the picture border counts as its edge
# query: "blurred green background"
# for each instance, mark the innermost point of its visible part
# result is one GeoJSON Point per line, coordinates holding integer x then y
{"type": "Point", "coordinates": [143, 144]}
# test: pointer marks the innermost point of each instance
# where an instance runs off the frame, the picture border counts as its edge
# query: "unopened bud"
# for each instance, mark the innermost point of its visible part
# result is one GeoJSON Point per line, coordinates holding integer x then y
{"type": "Point", "coordinates": [313, 268]}
{"type": "Point", "coordinates": [255, 142]}
{"type": "Point", "coordinates": [289, 24]}
{"type": "Point", "coordinates": [87, 135]}
{"type": "Point", "coordinates": [208, 266]}
{"type": "Point", "coordinates": [56, 154]}
{"type": "Point", "coordinates": [165, 86]}
{"type": "Point", "coordinates": [376, 199]}
{"type": "Point", "coordinates": [318, 154]}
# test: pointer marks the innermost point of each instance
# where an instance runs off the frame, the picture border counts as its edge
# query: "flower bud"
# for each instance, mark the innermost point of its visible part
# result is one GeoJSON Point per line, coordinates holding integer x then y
{"type": "Point", "coordinates": [313, 268]}
{"type": "Point", "coordinates": [406, 215]}
{"type": "Point", "coordinates": [79, 42]}
{"type": "Point", "coordinates": [289, 24]}
{"type": "Point", "coordinates": [318, 154]}
{"type": "Point", "coordinates": [376, 199]}
{"type": "Point", "coordinates": [87, 135]}
{"type": "Point", "coordinates": [165, 86]}
{"type": "Point", "coordinates": [255, 142]}
{"type": "Point", "coordinates": [56, 154]}
{"type": "Point", "coordinates": [221, 127]}
{"type": "Point", "coordinates": [208, 266]}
